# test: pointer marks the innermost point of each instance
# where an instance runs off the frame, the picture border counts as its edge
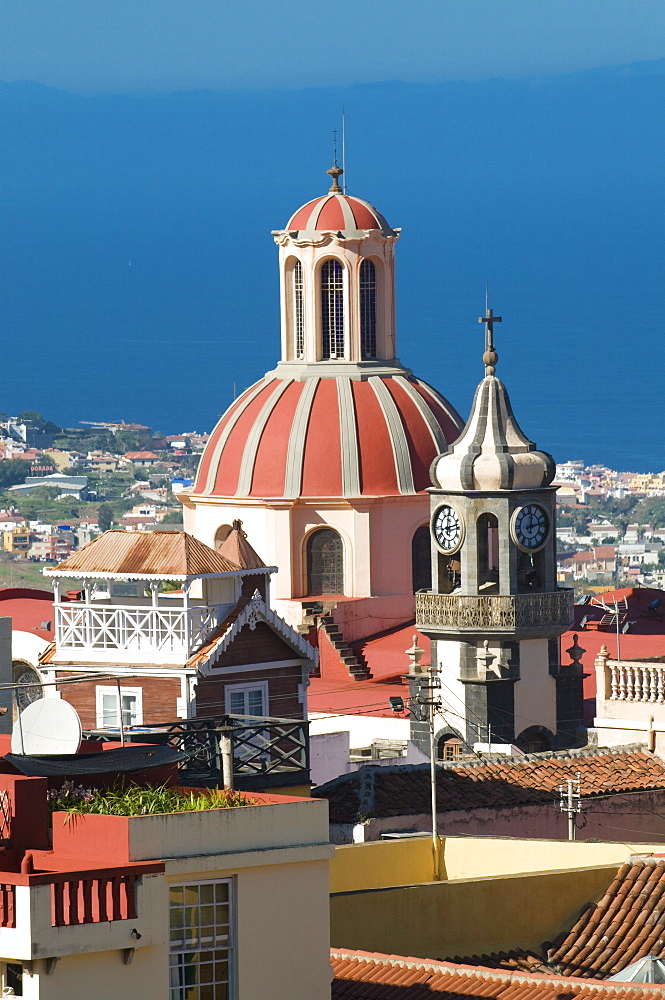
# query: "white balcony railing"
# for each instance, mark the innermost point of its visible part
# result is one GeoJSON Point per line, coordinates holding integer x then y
{"type": "Point", "coordinates": [643, 682]}
{"type": "Point", "coordinates": [106, 629]}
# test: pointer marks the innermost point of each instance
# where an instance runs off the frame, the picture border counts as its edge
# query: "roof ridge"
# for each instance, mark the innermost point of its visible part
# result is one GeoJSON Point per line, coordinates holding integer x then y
{"type": "Point", "coordinates": [436, 965]}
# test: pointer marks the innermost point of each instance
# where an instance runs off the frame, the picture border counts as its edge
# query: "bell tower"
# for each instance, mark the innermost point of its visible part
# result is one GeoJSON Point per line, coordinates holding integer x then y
{"type": "Point", "coordinates": [495, 612]}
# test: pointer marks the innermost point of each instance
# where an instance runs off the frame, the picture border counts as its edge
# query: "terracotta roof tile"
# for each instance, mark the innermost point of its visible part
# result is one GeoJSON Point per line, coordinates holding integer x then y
{"type": "Point", "coordinates": [366, 976]}
{"type": "Point", "coordinates": [404, 789]}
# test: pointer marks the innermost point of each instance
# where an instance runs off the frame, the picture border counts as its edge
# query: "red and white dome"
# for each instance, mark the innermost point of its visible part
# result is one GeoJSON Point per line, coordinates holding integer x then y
{"type": "Point", "coordinates": [328, 437]}
{"type": "Point", "coordinates": [337, 213]}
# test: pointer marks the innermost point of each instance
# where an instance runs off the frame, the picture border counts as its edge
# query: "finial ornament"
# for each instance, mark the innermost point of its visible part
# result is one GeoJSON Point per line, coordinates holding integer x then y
{"type": "Point", "coordinates": [490, 357]}
{"type": "Point", "coordinates": [335, 172]}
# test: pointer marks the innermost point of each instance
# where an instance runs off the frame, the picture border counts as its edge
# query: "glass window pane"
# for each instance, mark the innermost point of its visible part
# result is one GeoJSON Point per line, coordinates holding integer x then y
{"type": "Point", "coordinates": [255, 701]}
{"type": "Point", "coordinates": [237, 702]}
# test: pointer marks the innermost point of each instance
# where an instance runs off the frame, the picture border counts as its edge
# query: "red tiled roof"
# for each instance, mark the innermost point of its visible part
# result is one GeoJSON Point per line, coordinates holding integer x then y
{"type": "Point", "coordinates": [628, 923]}
{"type": "Point", "coordinates": [367, 976]}
{"type": "Point", "coordinates": [624, 926]}
{"type": "Point", "coordinates": [404, 790]}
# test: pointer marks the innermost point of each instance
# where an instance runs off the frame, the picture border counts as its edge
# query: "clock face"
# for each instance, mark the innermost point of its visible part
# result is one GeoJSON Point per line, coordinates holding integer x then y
{"type": "Point", "coordinates": [530, 527]}
{"type": "Point", "coordinates": [447, 528]}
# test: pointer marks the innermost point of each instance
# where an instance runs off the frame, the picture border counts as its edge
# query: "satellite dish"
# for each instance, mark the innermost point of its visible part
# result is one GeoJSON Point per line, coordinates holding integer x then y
{"type": "Point", "coordinates": [47, 726]}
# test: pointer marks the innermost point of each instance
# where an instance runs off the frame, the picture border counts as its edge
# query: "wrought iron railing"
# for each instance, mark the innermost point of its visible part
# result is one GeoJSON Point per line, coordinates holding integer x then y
{"type": "Point", "coordinates": [265, 751]}
{"type": "Point", "coordinates": [500, 611]}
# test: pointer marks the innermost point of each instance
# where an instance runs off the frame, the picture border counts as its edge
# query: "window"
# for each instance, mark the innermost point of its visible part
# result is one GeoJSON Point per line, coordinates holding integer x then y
{"type": "Point", "coordinates": [108, 715]}
{"type": "Point", "coordinates": [247, 699]}
{"type": "Point", "coordinates": [368, 309]}
{"type": "Point", "coordinates": [201, 945]}
{"type": "Point", "coordinates": [450, 748]}
{"type": "Point", "coordinates": [325, 563]}
{"type": "Point", "coordinates": [298, 320]}
{"type": "Point", "coordinates": [421, 559]}
{"type": "Point", "coordinates": [488, 554]}
{"type": "Point", "coordinates": [332, 309]}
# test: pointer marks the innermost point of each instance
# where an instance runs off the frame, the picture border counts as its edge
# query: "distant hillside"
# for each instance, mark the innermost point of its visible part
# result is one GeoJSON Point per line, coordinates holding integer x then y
{"type": "Point", "coordinates": [139, 274]}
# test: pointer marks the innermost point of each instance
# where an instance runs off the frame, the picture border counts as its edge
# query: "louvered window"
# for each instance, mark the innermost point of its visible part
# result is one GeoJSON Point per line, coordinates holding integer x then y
{"type": "Point", "coordinates": [332, 309]}
{"type": "Point", "coordinates": [368, 309]}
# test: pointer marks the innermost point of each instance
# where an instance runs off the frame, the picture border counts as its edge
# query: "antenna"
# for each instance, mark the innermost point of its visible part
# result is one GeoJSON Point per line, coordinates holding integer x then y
{"type": "Point", "coordinates": [334, 132]}
{"type": "Point", "coordinates": [487, 296]}
{"type": "Point", "coordinates": [344, 147]}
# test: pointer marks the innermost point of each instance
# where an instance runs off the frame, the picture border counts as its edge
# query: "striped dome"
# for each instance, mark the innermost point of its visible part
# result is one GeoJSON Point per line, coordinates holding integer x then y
{"type": "Point", "coordinates": [337, 213]}
{"type": "Point", "coordinates": [328, 437]}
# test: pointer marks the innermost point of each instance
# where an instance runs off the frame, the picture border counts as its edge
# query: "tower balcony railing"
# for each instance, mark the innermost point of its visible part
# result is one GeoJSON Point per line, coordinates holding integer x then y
{"type": "Point", "coordinates": [533, 613]}
{"type": "Point", "coordinates": [169, 633]}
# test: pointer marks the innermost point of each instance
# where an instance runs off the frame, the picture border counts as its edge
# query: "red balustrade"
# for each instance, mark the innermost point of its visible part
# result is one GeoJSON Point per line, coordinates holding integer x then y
{"type": "Point", "coordinates": [7, 905]}
{"type": "Point", "coordinates": [92, 900]}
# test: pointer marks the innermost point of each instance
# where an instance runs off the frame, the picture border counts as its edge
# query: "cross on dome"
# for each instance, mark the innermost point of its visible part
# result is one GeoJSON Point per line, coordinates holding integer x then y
{"type": "Point", "coordinates": [490, 357]}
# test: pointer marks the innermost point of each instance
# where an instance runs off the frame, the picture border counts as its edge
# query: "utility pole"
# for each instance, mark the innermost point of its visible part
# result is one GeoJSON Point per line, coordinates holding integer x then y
{"type": "Point", "coordinates": [571, 802]}
{"type": "Point", "coordinates": [432, 702]}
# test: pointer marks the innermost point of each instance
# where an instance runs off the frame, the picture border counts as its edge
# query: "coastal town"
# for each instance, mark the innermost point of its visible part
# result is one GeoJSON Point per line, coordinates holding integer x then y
{"type": "Point", "coordinates": [610, 526]}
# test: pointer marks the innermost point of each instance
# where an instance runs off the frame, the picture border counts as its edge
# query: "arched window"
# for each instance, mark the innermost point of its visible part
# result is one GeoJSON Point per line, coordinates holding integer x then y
{"type": "Point", "coordinates": [449, 748]}
{"type": "Point", "coordinates": [488, 554]}
{"type": "Point", "coordinates": [421, 559]}
{"type": "Point", "coordinates": [325, 563]}
{"type": "Point", "coordinates": [221, 535]}
{"type": "Point", "coordinates": [298, 312]}
{"type": "Point", "coordinates": [332, 309]}
{"type": "Point", "coordinates": [368, 308]}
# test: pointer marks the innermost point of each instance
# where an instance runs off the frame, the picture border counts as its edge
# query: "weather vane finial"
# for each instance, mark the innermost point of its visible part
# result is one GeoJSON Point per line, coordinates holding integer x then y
{"type": "Point", "coordinates": [490, 357]}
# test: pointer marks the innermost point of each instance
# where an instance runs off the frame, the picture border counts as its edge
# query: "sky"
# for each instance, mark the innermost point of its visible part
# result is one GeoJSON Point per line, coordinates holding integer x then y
{"type": "Point", "coordinates": [156, 45]}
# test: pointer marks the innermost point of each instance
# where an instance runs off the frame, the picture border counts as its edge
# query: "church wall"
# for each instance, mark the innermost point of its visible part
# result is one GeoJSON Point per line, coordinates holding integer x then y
{"type": "Point", "coordinates": [453, 695]}
{"type": "Point", "coordinates": [394, 522]}
{"type": "Point", "coordinates": [535, 692]}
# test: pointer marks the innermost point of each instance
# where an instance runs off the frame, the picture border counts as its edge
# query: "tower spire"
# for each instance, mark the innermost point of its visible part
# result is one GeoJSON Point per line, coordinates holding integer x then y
{"type": "Point", "coordinates": [490, 357]}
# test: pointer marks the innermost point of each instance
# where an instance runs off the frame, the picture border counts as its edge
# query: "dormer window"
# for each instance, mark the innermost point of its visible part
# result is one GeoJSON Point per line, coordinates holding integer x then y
{"type": "Point", "coordinates": [368, 309]}
{"type": "Point", "coordinates": [298, 311]}
{"type": "Point", "coordinates": [332, 310]}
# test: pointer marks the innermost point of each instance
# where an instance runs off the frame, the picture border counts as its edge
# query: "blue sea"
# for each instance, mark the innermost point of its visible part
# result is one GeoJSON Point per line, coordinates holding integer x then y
{"type": "Point", "coordinates": [139, 277]}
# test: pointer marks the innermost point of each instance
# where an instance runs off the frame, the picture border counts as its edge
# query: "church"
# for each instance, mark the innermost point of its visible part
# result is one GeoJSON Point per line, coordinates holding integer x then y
{"type": "Point", "coordinates": [359, 482]}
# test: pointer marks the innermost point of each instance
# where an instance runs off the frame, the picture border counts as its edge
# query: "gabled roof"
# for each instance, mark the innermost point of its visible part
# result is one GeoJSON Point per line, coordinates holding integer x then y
{"type": "Point", "coordinates": [491, 782]}
{"type": "Point", "coordinates": [237, 549]}
{"type": "Point", "coordinates": [367, 976]}
{"type": "Point", "coordinates": [134, 555]}
{"type": "Point", "coordinates": [250, 612]}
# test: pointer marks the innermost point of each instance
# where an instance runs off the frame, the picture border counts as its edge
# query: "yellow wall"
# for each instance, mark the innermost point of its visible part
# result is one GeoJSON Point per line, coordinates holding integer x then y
{"type": "Point", "coordinates": [385, 863]}
{"type": "Point", "coordinates": [465, 917]}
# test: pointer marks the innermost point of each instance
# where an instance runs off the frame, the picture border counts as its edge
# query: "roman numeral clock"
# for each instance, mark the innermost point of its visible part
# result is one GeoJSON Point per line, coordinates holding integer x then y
{"type": "Point", "coordinates": [494, 612]}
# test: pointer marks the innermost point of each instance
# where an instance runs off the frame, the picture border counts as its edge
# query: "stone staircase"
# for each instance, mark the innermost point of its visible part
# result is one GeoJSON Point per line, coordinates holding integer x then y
{"type": "Point", "coordinates": [356, 665]}
{"type": "Point", "coordinates": [320, 614]}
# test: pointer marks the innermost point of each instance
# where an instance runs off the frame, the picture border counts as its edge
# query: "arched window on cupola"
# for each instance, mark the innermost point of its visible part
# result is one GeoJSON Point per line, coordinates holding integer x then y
{"type": "Point", "coordinates": [368, 308]}
{"type": "Point", "coordinates": [298, 312]}
{"type": "Point", "coordinates": [332, 310]}
{"type": "Point", "coordinates": [325, 563]}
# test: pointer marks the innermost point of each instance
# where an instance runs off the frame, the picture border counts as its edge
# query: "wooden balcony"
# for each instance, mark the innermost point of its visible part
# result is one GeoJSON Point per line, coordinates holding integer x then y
{"type": "Point", "coordinates": [102, 631]}
{"type": "Point", "coordinates": [521, 614]}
